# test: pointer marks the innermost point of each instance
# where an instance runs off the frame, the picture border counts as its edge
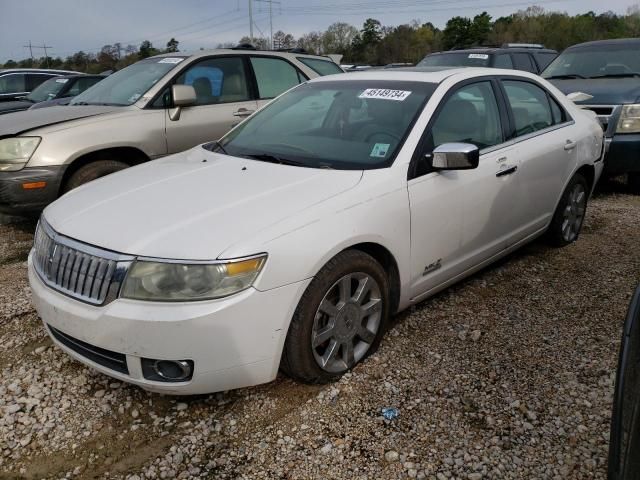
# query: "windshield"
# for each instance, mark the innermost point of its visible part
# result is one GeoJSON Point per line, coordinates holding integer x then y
{"type": "Point", "coordinates": [47, 90]}
{"type": "Point", "coordinates": [603, 61]}
{"type": "Point", "coordinates": [349, 125]}
{"type": "Point", "coordinates": [460, 59]}
{"type": "Point", "coordinates": [129, 84]}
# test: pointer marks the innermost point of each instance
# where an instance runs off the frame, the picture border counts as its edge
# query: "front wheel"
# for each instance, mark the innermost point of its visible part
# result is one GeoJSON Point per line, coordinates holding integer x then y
{"type": "Point", "coordinates": [340, 319]}
{"type": "Point", "coordinates": [569, 215]}
{"type": "Point", "coordinates": [92, 171]}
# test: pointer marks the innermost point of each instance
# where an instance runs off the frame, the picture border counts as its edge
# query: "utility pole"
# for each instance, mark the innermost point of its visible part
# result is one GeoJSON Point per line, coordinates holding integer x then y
{"type": "Point", "coordinates": [251, 21]}
{"type": "Point", "coordinates": [30, 49]}
{"type": "Point", "coordinates": [44, 46]}
{"type": "Point", "coordinates": [270, 2]}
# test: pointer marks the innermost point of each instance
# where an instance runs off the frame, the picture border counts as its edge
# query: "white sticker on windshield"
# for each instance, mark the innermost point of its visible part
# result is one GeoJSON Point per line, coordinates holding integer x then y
{"type": "Point", "coordinates": [134, 97]}
{"type": "Point", "coordinates": [62, 80]}
{"type": "Point", "coordinates": [171, 60]}
{"type": "Point", "coordinates": [380, 150]}
{"type": "Point", "coordinates": [482, 56]}
{"type": "Point", "coordinates": [384, 94]}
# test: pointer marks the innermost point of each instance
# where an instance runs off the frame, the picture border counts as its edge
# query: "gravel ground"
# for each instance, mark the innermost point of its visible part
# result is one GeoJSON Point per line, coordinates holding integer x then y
{"type": "Point", "coordinates": [506, 375]}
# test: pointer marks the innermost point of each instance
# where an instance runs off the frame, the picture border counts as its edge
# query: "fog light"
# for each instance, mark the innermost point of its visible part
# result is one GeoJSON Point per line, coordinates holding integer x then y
{"type": "Point", "coordinates": [167, 370]}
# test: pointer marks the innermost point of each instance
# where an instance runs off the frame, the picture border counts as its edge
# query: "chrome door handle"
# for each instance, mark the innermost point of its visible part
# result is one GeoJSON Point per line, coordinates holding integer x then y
{"type": "Point", "coordinates": [243, 112]}
{"type": "Point", "coordinates": [507, 171]}
{"type": "Point", "coordinates": [570, 145]}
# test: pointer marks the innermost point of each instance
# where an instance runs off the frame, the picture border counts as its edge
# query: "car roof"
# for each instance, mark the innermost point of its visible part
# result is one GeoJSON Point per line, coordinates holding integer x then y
{"type": "Point", "coordinates": [606, 43]}
{"type": "Point", "coordinates": [418, 74]}
{"type": "Point", "coordinates": [490, 50]}
{"type": "Point", "coordinates": [36, 70]}
{"type": "Point", "coordinates": [241, 51]}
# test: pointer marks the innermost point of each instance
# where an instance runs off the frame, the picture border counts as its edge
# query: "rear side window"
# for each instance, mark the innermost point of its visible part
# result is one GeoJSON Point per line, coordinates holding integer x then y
{"type": "Point", "coordinates": [274, 76]}
{"type": "Point", "coordinates": [503, 61]}
{"type": "Point", "coordinates": [523, 61]}
{"type": "Point", "coordinates": [530, 107]}
{"type": "Point", "coordinates": [321, 67]}
{"type": "Point", "coordinates": [12, 83]}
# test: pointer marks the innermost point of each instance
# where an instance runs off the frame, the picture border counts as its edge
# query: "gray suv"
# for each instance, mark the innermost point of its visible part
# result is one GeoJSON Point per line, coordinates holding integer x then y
{"type": "Point", "coordinates": [157, 106]}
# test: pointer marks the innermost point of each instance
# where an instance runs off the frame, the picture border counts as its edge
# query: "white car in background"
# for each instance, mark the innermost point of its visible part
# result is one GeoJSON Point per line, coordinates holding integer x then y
{"type": "Point", "coordinates": [291, 242]}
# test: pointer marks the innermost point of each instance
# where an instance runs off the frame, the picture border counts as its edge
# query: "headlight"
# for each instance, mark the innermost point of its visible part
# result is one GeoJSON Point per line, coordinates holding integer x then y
{"type": "Point", "coordinates": [176, 282]}
{"type": "Point", "coordinates": [15, 152]}
{"type": "Point", "coordinates": [629, 119]}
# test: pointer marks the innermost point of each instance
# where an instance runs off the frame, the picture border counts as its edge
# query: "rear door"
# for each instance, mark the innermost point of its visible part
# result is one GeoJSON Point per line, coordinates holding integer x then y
{"type": "Point", "coordinates": [545, 140]}
{"type": "Point", "coordinates": [523, 61]}
{"type": "Point", "coordinates": [223, 99]}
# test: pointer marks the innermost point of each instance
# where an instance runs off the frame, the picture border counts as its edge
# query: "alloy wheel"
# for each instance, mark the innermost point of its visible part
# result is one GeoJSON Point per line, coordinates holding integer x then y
{"type": "Point", "coordinates": [574, 212]}
{"type": "Point", "coordinates": [346, 322]}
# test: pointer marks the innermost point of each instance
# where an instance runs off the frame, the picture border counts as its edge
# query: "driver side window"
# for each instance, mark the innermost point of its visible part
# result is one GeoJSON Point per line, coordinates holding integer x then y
{"type": "Point", "coordinates": [470, 115]}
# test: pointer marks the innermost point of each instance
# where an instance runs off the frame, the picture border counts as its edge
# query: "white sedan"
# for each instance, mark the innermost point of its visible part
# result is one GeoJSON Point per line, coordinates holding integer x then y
{"type": "Point", "coordinates": [292, 241]}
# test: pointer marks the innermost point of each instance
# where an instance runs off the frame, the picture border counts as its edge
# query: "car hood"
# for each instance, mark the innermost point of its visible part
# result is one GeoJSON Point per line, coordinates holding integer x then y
{"type": "Point", "coordinates": [605, 91]}
{"type": "Point", "coordinates": [7, 107]}
{"type": "Point", "coordinates": [193, 205]}
{"type": "Point", "coordinates": [51, 103]}
{"type": "Point", "coordinates": [21, 122]}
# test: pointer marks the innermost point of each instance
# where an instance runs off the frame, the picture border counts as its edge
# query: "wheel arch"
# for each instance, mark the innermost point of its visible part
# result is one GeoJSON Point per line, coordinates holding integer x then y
{"type": "Point", "coordinates": [129, 155]}
{"type": "Point", "coordinates": [388, 262]}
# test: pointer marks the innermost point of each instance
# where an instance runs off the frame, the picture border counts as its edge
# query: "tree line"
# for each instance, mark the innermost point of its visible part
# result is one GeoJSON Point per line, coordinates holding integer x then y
{"type": "Point", "coordinates": [377, 44]}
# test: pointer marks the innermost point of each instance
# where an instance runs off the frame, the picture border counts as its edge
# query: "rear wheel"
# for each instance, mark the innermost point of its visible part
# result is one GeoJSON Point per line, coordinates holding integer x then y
{"type": "Point", "coordinates": [340, 319]}
{"type": "Point", "coordinates": [569, 215]}
{"type": "Point", "coordinates": [92, 171]}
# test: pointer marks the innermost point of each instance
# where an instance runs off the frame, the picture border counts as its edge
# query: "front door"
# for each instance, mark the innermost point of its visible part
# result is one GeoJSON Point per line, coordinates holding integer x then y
{"type": "Point", "coordinates": [461, 218]}
{"type": "Point", "coordinates": [223, 100]}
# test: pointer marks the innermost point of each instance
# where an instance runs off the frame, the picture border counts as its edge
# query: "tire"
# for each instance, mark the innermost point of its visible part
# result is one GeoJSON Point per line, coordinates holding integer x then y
{"type": "Point", "coordinates": [569, 215]}
{"type": "Point", "coordinates": [301, 359]}
{"type": "Point", "coordinates": [92, 171]}
{"type": "Point", "coordinates": [633, 180]}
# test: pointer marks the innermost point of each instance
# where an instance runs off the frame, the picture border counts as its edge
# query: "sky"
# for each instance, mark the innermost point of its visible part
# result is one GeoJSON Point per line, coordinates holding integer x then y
{"type": "Point", "coordinates": [71, 25]}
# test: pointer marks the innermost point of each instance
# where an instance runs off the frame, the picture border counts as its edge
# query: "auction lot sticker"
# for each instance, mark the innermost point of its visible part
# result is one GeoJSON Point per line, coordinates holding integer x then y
{"type": "Point", "coordinates": [171, 60]}
{"type": "Point", "coordinates": [384, 94]}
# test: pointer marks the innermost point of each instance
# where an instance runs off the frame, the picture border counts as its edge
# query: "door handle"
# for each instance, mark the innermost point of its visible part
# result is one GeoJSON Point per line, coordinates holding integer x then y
{"type": "Point", "coordinates": [507, 171]}
{"type": "Point", "coordinates": [570, 145]}
{"type": "Point", "coordinates": [243, 112]}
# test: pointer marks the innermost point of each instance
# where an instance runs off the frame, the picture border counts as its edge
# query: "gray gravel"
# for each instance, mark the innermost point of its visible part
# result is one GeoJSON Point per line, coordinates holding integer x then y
{"type": "Point", "coordinates": [506, 375]}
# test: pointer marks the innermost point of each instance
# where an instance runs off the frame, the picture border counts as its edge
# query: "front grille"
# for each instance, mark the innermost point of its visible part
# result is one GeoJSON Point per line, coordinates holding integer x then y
{"type": "Point", "coordinates": [78, 270]}
{"type": "Point", "coordinates": [113, 360]}
{"type": "Point", "coordinates": [607, 114]}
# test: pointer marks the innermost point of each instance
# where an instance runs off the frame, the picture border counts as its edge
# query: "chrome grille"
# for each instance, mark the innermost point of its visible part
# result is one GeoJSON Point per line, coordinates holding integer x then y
{"type": "Point", "coordinates": [607, 114]}
{"type": "Point", "coordinates": [75, 269]}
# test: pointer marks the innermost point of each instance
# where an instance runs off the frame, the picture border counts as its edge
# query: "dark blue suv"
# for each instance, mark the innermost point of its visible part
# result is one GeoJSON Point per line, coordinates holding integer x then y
{"type": "Point", "coordinates": [608, 71]}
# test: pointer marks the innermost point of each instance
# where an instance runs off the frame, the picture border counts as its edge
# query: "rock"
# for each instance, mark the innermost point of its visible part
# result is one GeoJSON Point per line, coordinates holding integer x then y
{"type": "Point", "coordinates": [474, 476]}
{"type": "Point", "coordinates": [181, 406]}
{"type": "Point", "coordinates": [99, 393]}
{"type": "Point", "coordinates": [475, 335]}
{"type": "Point", "coordinates": [392, 456]}
{"type": "Point", "coordinates": [326, 448]}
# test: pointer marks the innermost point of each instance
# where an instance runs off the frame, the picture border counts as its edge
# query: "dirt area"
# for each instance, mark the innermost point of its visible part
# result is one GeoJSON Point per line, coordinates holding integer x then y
{"type": "Point", "coordinates": [508, 374]}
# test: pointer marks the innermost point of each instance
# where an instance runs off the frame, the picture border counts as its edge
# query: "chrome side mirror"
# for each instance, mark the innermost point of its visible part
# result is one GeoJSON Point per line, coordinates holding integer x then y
{"type": "Point", "coordinates": [183, 96]}
{"type": "Point", "coordinates": [456, 156]}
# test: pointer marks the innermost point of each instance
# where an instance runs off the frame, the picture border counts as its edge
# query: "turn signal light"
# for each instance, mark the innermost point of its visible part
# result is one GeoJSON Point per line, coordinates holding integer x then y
{"type": "Point", "coordinates": [34, 185]}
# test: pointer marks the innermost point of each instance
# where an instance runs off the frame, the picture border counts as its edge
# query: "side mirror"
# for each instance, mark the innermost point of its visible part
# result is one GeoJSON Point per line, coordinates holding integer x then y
{"type": "Point", "coordinates": [183, 96]}
{"type": "Point", "coordinates": [456, 156]}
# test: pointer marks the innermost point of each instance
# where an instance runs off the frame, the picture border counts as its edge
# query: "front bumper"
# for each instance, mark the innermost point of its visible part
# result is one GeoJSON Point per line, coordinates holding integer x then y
{"type": "Point", "coordinates": [234, 342]}
{"type": "Point", "coordinates": [623, 154]}
{"type": "Point", "coordinates": [14, 199]}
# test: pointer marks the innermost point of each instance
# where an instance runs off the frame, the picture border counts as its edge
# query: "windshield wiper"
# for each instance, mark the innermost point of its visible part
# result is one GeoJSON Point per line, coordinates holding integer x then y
{"type": "Point", "coordinates": [265, 157]}
{"type": "Point", "coordinates": [219, 146]}
{"type": "Point", "coordinates": [618, 75]}
{"type": "Point", "coordinates": [570, 75]}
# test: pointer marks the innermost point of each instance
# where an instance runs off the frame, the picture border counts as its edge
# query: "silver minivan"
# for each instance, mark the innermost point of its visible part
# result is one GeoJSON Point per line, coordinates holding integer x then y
{"type": "Point", "coordinates": [157, 106]}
